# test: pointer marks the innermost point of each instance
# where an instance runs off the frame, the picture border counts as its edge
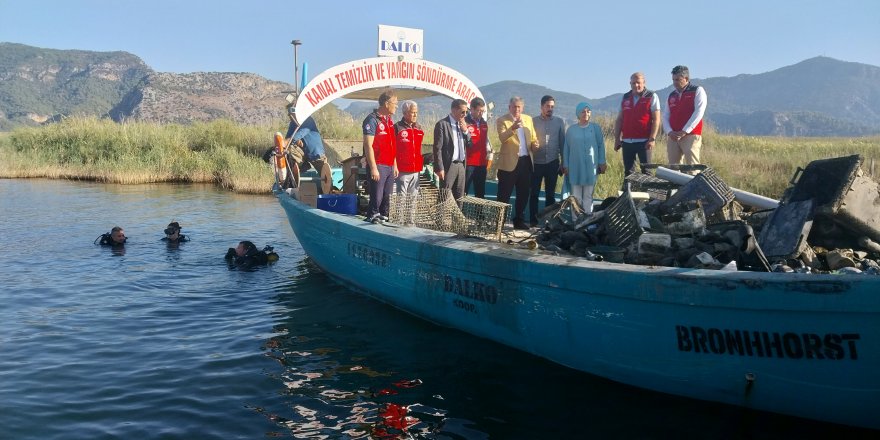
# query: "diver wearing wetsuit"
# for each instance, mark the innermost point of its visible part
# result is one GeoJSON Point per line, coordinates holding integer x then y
{"type": "Point", "coordinates": [116, 237]}
{"type": "Point", "coordinates": [173, 235]}
{"type": "Point", "coordinates": [246, 256]}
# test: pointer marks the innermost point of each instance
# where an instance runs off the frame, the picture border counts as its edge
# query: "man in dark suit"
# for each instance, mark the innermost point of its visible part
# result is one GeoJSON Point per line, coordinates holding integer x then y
{"type": "Point", "coordinates": [451, 140]}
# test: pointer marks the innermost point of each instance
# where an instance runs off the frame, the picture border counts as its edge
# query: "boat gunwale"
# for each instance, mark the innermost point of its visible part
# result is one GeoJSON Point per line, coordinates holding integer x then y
{"type": "Point", "coordinates": [819, 293]}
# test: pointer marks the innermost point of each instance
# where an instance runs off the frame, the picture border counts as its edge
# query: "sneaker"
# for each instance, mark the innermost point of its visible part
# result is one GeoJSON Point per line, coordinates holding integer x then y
{"type": "Point", "coordinates": [384, 218]}
{"type": "Point", "coordinates": [375, 218]}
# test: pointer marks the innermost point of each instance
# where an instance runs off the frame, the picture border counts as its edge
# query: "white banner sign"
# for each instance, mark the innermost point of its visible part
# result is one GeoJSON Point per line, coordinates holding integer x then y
{"type": "Point", "coordinates": [378, 74]}
{"type": "Point", "coordinates": [400, 41]}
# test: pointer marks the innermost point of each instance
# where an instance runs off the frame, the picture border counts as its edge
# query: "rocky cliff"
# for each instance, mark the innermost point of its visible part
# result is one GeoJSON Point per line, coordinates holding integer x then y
{"type": "Point", "coordinates": [42, 85]}
{"type": "Point", "coordinates": [183, 98]}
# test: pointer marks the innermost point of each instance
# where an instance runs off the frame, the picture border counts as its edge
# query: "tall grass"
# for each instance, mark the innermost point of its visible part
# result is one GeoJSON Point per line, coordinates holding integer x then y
{"type": "Point", "coordinates": [87, 148]}
{"type": "Point", "coordinates": [227, 154]}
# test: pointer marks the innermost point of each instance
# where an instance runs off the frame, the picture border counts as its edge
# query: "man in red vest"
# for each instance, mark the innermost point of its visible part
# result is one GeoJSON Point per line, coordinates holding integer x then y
{"type": "Point", "coordinates": [408, 142]}
{"type": "Point", "coordinates": [381, 157]}
{"type": "Point", "coordinates": [479, 153]}
{"type": "Point", "coordinates": [683, 121]}
{"type": "Point", "coordinates": [637, 124]}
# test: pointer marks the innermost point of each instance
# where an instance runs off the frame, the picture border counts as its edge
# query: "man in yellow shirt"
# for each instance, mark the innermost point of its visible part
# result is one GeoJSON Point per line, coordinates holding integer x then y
{"type": "Point", "coordinates": [518, 141]}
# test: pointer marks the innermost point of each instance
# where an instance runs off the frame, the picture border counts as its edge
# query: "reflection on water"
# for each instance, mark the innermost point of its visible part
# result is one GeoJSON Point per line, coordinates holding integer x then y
{"type": "Point", "coordinates": [165, 341]}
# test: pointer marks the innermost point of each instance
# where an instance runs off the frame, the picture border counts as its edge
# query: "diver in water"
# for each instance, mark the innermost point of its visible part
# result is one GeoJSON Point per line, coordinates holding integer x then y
{"type": "Point", "coordinates": [173, 235]}
{"type": "Point", "coordinates": [246, 256]}
{"type": "Point", "coordinates": [116, 237]}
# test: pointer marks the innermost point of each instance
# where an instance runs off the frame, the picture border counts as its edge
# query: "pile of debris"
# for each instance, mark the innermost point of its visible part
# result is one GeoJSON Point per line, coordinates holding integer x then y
{"type": "Point", "coordinates": [828, 221]}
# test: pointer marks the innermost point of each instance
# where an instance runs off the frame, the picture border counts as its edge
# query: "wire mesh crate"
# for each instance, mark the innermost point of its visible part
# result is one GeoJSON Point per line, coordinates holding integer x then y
{"type": "Point", "coordinates": [437, 209]}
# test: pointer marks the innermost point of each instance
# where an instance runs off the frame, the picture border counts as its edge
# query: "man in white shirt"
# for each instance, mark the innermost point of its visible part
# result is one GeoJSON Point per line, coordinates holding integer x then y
{"type": "Point", "coordinates": [683, 120]}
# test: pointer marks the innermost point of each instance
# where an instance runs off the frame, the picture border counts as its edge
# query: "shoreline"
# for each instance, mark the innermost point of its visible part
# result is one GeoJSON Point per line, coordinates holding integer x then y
{"type": "Point", "coordinates": [229, 155]}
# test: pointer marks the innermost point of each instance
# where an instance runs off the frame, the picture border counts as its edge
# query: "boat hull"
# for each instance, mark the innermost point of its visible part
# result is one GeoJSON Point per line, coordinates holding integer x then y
{"type": "Point", "coordinates": [796, 344]}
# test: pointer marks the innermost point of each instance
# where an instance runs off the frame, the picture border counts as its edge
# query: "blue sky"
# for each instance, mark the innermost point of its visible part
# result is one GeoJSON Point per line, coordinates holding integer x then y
{"type": "Point", "coordinates": [583, 47]}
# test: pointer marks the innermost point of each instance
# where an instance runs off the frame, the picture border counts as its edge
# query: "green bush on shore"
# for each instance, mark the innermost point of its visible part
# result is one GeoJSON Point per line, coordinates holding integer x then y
{"type": "Point", "coordinates": [227, 154]}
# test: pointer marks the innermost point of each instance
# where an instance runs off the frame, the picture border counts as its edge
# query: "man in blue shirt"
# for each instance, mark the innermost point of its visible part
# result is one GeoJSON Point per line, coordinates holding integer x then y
{"type": "Point", "coordinates": [307, 143]}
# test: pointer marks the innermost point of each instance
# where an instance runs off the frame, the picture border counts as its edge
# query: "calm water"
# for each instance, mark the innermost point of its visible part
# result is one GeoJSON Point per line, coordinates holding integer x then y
{"type": "Point", "coordinates": [161, 342]}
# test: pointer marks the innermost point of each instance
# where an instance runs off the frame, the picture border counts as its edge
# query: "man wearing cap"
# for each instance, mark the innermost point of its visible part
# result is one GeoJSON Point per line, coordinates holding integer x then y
{"type": "Point", "coordinates": [683, 120]}
{"type": "Point", "coordinates": [637, 124]}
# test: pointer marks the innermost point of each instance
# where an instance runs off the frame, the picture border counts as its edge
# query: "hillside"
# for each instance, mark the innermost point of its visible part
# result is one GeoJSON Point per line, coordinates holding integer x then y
{"type": "Point", "coordinates": [817, 97]}
{"type": "Point", "coordinates": [820, 96]}
{"type": "Point", "coordinates": [38, 85]}
{"type": "Point", "coordinates": [41, 85]}
{"type": "Point", "coordinates": [184, 98]}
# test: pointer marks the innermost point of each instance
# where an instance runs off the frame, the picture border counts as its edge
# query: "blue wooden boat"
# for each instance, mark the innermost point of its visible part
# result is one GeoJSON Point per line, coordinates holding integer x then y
{"type": "Point", "coordinates": [797, 344]}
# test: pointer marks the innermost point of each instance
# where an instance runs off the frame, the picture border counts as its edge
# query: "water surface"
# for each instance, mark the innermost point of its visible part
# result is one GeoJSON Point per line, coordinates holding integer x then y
{"type": "Point", "coordinates": [167, 342]}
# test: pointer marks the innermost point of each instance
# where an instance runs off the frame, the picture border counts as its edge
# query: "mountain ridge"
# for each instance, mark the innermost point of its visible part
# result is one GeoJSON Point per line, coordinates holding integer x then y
{"type": "Point", "coordinates": [818, 96]}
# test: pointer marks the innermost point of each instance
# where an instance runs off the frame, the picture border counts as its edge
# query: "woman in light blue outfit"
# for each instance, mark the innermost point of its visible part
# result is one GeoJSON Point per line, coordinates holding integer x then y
{"type": "Point", "coordinates": [583, 156]}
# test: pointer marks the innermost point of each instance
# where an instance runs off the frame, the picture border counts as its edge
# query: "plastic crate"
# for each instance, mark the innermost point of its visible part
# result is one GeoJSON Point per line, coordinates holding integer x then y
{"type": "Point", "coordinates": [706, 187]}
{"type": "Point", "coordinates": [339, 203]}
{"type": "Point", "coordinates": [841, 193]}
{"type": "Point", "coordinates": [785, 233]}
{"type": "Point", "coordinates": [622, 221]}
{"type": "Point", "coordinates": [656, 187]}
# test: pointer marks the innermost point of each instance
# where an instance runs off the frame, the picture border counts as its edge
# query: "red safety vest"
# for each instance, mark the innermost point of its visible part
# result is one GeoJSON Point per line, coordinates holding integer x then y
{"type": "Point", "coordinates": [636, 118]}
{"type": "Point", "coordinates": [681, 108]}
{"type": "Point", "coordinates": [409, 148]}
{"type": "Point", "coordinates": [383, 141]}
{"type": "Point", "coordinates": [476, 153]}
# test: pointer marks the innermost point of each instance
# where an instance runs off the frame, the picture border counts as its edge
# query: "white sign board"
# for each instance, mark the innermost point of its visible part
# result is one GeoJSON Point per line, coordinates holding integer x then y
{"type": "Point", "coordinates": [400, 41]}
{"type": "Point", "coordinates": [378, 74]}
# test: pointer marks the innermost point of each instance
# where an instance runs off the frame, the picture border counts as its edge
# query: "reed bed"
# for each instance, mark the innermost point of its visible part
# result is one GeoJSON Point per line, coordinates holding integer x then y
{"type": "Point", "coordinates": [762, 165]}
{"type": "Point", "coordinates": [227, 154]}
{"type": "Point", "coordinates": [85, 148]}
